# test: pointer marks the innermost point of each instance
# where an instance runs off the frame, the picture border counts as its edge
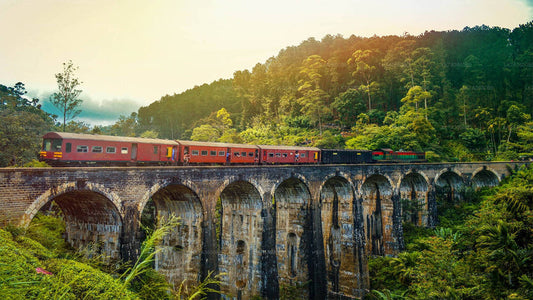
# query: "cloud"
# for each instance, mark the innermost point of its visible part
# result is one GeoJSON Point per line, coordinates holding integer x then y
{"type": "Point", "coordinates": [94, 112]}
{"type": "Point", "coordinates": [529, 3]}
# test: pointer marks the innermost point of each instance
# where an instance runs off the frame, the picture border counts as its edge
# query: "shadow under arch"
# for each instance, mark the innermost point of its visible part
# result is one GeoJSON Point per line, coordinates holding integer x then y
{"type": "Point", "coordinates": [240, 234]}
{"type": "Point", "coordinates": [413, 190]}
{"type": "Point", "coordinates": [484, 177]}
{"type": "Point", "coordinates": [91, 215]}
{"type": "Point", "coordinates": [448, 184]}
{"type": "Point", "coordinates": [376, 192]}
{"type": "Point", "coordinates": [179, 258]}
{"type": "Point", "coordinates": [293, 233]}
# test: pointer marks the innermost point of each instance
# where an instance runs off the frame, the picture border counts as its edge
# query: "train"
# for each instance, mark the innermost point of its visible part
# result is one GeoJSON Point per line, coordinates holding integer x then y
{"type": "Point", "coordinates": [74, 149]}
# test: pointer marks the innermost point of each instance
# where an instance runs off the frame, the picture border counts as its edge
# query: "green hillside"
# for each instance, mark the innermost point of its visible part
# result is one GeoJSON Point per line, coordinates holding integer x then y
{"type": "Point", "coordinates": [464, 95]}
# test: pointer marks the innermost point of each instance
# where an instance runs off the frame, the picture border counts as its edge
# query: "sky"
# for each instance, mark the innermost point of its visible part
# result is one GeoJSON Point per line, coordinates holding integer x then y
{"type": "Point", "coordinates": [130, 53]}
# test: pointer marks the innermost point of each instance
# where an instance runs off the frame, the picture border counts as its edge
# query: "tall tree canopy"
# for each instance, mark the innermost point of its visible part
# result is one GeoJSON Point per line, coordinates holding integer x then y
{"type": "Point", "coordinates": [66, 99]}
{"type": "Point", "coordinates": [466, 85]}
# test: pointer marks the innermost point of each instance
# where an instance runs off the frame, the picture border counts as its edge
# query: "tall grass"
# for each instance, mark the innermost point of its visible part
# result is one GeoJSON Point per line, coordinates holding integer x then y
{"type": "Point", "coordinates": [149, 250]}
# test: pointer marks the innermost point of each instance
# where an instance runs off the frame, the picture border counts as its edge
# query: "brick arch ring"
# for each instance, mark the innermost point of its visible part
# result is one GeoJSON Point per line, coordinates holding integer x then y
{"type": "Point", "coordinates": [72, 186]}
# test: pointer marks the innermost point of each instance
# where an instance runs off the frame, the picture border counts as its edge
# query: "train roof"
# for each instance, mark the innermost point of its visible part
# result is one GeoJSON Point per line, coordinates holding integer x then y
{"type": "Point", "coordinates": [299, 148]}
{"type": "Point", "coordinates": [214, 144]}
{"type": "Point", "coordinates": [107, 138]}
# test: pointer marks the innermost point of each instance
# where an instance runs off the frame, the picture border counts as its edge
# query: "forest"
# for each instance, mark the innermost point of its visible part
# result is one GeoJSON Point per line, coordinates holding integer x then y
{"type": "Point", "coordinates": [458, 95]}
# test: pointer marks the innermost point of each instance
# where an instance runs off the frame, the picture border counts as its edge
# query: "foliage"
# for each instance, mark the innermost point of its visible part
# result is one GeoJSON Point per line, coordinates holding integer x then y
{"type": "Point", "coordinates": [36, 164]}
{"type": "Point", "coordinates": [30, 271]}
{"type": "Point", "coordinates": [149, 250]}
{"type": "Point", "coordinates": [201, 290]}
{"type": "Point", "coordinates": [482, 249]}
{"type": "Point", "coordinates": [48, 230]}
{"type": "Point", "coordinates": [460, 95]}
{"type": "Point", "coordinates": [294, 291]}
{"type": "Point", "coordinates": [22, 124]}
{"type": "Point", "coordinates": [37, 263]}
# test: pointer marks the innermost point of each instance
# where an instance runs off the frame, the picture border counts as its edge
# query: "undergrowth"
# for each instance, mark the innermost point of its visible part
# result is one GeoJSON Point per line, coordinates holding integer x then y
{"type": "Point", "coordinates": [37, 263]}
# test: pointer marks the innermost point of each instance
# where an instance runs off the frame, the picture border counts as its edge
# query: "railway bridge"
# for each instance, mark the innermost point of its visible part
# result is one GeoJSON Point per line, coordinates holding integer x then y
{"type": "Point", "coordinates": [264, 227]}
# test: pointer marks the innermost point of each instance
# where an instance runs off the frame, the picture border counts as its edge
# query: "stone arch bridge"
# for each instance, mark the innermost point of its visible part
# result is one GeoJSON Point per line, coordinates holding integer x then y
{"type": "Point", "coordinates": [265, 227]}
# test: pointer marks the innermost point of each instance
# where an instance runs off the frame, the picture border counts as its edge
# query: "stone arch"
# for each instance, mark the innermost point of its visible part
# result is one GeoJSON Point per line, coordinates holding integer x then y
{"type": "Point", "coordinates": [413, 189]}
{"type": "Point", "coordinates": [485, 177]}
{"type": "Point", "coordinates": [293, 231]}
{"type": "Point", "coordinates": [342, 254]}
{"type": "Point", "coordinates": [179, 258]}
{"type": "Point", "coordinates": [240, 237]}
{"type": "Point", "coordinates": [448, 184]}
{"type": "Point", "coordinates": [53, 192]}
{"type": "Point", "coordinates": [293, 177]}
{"type": "Point", "coordinates": [376, 192]}
{"type": "Point", "coordinates": [91, 214]}
{"type": "Point", "coordinates": [163, 184]}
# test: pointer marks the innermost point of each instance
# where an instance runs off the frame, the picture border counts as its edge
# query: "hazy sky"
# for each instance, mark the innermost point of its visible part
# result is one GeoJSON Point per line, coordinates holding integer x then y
{"type": "Point", "coordinates": [132, 52]}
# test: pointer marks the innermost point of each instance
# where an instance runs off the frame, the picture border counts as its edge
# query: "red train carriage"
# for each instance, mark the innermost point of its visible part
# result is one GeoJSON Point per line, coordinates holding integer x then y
{"type": "Point", "coordinates": [217, 153]}
{"type": "Point", "coordinates": [60, 148]}
{"type": "Point", "coordinates": [289, 155]}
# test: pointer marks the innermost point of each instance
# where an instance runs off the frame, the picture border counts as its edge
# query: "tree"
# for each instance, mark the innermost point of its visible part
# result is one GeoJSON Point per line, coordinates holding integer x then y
{"type": "Point", "coordinates": [364, 72]}
{"type": "Point", "coordinates": [205, 133]}
{"type": "Point", "coordinates": [22, 124]}
{"type": "Point", "coordinates": [313, 100]}
{"type": "Point", "coordinates": [66, 99]}
{"type": "Point", "coordinates": [414, 96]}
{"type": "Point", "coordinates": [348, 106]}
{"type": "Point", "coordinates": [125, 126]}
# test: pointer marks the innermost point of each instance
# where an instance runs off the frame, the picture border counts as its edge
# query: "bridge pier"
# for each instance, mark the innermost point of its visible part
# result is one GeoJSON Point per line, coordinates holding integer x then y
{"type": "Point", "coordinates": [432, 206]}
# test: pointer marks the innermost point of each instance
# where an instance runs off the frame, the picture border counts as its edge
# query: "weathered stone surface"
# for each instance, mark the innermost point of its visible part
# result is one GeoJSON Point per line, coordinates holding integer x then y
{"type": "Point", "coordinates": [263, 226]}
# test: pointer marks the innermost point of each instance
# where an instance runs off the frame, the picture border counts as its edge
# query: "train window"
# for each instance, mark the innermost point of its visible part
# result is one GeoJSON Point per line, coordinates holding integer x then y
{"type": "Point", "coordinates": [52, 145]}
{"type": "Point", "coordinates": [284, 154]}
{"type": "Point", "coordinates": [213, 153]}
{"type": "Point", "coordinates": [302, 155]}
{"type": "Point", "coordinates": [155, 149]}
{"type": "Point", "coordinates": [97, 149]}
{"type": "Point", "coordinates": [47, 145]}
{"type": "Point", "coordinates": [243, 154]}
{"type": "Point", "coordinates": [251, 154]}
{"type": "Point", "coordinates": [271, 155]}
{"type": "Point", "coordinates": [82, 149]}
{"type": "Point", "coordinates": [221, 153]}
{"type": "Point", "coordinates": [68, 147]}
{"type": "Point", "coordinates": [278, 154]}
{"type": "Point", "coordinates": [195, 152]}
{"type": "Point", "coordinates": [204, 152]}
{"type": "Point", "coordinates": [236, 154]}
{"type": "Point", "coordinates": [110, 149]}
{"type": "Point", "coordinates": [124, 150]}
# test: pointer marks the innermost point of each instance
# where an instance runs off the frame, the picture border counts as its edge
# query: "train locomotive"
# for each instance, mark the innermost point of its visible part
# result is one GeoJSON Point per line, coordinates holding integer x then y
{"type": "Point", "coordinates": [73, 149]}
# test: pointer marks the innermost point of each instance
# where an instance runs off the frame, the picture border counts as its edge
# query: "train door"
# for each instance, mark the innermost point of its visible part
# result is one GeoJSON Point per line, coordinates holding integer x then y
{"type": "Point", "coordinates": [175, 154]}
{"type": "Point", "coordinates": [228, 156]}
{"type": "Point", "coordinates": [186, 156]}
{"type": "Point", "coordinates": [133, 152]}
